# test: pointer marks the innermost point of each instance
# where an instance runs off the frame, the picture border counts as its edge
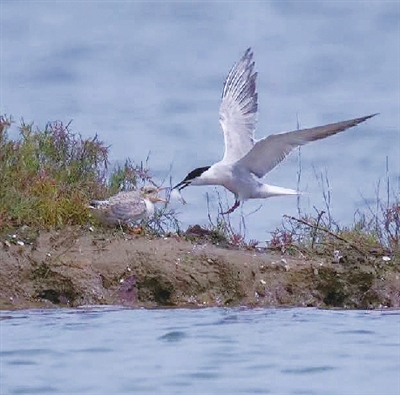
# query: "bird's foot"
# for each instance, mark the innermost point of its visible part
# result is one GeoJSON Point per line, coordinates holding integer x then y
{"type": "Point", "coordinates": [137, 230]}
{"type": "Point", "coordinates": [233, 208]}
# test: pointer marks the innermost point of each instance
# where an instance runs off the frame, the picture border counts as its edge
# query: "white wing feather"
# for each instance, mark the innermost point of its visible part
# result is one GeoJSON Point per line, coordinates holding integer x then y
{"type": "Point", "coordinates": [238, 110]}
{"type": "Point", "coordinates": [270, 151]}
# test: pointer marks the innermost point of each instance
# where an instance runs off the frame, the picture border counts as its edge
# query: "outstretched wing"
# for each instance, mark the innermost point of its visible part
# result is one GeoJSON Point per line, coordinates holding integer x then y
{"type": "Point", "coordinates": [238, 110]}
{"type": "Point", "coordinates": [270, 151]}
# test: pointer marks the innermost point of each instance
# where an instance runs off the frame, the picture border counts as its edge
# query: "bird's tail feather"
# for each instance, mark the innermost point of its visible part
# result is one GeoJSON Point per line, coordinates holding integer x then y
{"type": "Point", "coordinates": [272, 190]}
{"type": "Point", "coordinates": [98, 203]}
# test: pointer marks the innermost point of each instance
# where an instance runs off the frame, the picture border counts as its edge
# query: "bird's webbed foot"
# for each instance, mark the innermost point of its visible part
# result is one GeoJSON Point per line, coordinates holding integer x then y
{"type": "Point", "coordinates": [233, 208]}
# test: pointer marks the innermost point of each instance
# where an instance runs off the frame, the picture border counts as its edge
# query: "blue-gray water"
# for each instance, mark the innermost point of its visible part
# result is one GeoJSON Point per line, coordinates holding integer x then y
{"type": "Point", "coordinates": [211, 351]}
{"type": "Point", "coordinates": [147, 77]}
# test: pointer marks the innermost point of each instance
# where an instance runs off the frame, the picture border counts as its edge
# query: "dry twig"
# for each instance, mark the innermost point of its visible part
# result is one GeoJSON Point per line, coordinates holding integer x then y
{"type": "Point", "coordinates": [316, 227]}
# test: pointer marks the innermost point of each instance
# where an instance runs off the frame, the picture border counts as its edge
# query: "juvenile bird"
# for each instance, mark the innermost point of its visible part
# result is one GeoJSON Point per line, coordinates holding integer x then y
{"type": "Point", "coordinates": [126, 208]}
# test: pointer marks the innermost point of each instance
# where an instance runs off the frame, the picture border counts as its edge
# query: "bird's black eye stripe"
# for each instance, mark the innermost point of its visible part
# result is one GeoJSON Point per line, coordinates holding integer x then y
{"type": "Point", "coordinates": [192, 175]}
{"type": "Point", "coordinates": [196, 172]}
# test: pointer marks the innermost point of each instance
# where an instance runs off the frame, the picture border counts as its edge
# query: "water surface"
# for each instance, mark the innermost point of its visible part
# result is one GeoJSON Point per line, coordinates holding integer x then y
{"type": "Point", "coordinates": [210, 351]}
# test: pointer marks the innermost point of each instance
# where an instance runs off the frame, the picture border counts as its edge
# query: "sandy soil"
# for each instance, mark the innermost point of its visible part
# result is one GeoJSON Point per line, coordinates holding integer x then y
{"type": "Point", "coordinates": [75, 267]}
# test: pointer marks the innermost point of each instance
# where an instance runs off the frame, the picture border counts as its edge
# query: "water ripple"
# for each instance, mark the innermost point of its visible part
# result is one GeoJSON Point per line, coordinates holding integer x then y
{"type": "Point", "coordinates": [308, 370]}
{"type": "Point", "coordinates": [172, 337]}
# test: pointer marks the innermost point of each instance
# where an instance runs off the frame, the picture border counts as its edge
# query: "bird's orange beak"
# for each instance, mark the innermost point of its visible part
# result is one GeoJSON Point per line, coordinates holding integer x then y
{"type": "Point", "coordinates": [156, 199]}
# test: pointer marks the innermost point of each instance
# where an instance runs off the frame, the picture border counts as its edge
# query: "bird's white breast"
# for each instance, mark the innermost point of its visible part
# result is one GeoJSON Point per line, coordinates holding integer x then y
{"type": "Point", "coordinates": [149, 208]}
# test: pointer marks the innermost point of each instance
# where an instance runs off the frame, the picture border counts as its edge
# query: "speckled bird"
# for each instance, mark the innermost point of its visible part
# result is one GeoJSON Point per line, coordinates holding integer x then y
{"type": "Point", "coordinates": [128, 207]}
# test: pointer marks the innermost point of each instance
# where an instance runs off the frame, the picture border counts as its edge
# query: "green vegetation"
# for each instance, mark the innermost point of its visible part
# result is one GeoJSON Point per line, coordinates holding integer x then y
{"type": "Point", "coordinates": [48, 176]}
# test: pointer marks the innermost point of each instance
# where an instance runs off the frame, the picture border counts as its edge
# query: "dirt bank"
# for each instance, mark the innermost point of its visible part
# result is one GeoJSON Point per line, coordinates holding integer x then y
{"type": "Point", "coordinates": [75, 267]}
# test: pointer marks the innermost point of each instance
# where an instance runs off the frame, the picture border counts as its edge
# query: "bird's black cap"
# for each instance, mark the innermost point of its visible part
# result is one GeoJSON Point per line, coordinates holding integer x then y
{"type": "Point", "coordinates": [193, 174]}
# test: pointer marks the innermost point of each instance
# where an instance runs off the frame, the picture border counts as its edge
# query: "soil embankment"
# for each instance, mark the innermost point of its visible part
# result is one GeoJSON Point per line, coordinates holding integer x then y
{"type": "Point", "coordinates": [75, 267]}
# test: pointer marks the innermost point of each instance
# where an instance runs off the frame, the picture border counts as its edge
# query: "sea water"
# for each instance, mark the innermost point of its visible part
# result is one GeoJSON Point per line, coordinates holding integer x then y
{"type": "Point", "coordinates": [97, 350]}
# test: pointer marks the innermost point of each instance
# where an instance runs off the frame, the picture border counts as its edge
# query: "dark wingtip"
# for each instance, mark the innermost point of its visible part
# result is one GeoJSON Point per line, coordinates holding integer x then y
{"type": "Point", "coordinates": [363, 119]}
{"type": "Point", "coordinates": [248, 53]}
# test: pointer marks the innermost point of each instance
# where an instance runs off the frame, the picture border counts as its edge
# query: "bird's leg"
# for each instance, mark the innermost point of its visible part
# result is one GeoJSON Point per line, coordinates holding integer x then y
{"type": "Point", "coordinates": [233, 208]}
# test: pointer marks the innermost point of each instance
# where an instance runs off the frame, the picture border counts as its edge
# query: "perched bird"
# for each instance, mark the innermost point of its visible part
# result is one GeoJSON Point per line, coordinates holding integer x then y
{"type": "Point", "coordinates": [246, 160]}
{"type": "Point", "coordinates": [125, 208]}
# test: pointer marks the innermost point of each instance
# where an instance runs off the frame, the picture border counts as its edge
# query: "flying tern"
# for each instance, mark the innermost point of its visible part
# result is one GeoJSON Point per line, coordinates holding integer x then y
{"type": "Point", "coordinates": [127, 207]}
{"type": "Point", "coordinates": [247, 160]}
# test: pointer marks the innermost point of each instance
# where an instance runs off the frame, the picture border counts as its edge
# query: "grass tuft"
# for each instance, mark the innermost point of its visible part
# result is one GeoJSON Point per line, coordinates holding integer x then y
{"type": "Point", "coordinates": [48, 176]}
{"type": "Point", "coordinates": [374, 235]}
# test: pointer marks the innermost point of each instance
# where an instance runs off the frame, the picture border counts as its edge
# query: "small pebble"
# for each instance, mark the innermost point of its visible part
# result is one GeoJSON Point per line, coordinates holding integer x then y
{"type": "Point", "coordinates": [337, 256]}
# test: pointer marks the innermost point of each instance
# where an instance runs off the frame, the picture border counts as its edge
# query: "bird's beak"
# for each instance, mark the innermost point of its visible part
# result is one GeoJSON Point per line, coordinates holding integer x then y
{"type": "Point", "coordinates": [158, 199]}
{"type": "Point", "coordinates": [153, 197]}
{"type": "Point", "coordinates": [181, 185]}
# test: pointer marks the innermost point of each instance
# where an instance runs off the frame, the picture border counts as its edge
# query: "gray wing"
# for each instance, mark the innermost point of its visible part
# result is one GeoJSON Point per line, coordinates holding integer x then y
{"type": "Point", "coordinates": [270, 151]}
{"type": "Point", "coordinates": [126, 211]}
{"type": "Point", "coordinates": [127, 206]}
{"type": "Point", "coordinates": [238, 110]}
